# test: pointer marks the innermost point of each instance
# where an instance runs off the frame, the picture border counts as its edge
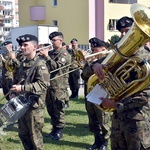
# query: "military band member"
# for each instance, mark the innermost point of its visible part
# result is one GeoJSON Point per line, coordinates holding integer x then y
{"type": "Point", "coordinates": [56, 95]}
{"type": "Point", "coordinates": [34, 88]}
{"type": "Point", "coordinates": [98, 120]}
{"type": "Point", "coordinates": [130, 120]}
{"type": "Point", "coordinates": [7, 75]}
{"type": "Point", "coordinates": [74, 75]}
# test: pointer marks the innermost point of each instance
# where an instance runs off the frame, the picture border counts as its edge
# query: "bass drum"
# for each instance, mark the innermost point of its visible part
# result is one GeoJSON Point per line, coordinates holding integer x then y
{"type": "Point", "coordinates": [13, 110]}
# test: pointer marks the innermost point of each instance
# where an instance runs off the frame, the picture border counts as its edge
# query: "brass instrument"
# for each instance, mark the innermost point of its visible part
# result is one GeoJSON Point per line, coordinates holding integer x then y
{"type": "Point", "coordinates": [81, 59]}
{"type": "Point", "coordinates": [10, 66]}
{"type": "Point", "coordinates": [119, 82]}
{"type": "Point", "coordinates": [42, 47]}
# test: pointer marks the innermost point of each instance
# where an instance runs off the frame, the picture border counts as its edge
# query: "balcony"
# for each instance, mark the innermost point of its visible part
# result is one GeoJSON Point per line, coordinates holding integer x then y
{"type": "Point", "coordinates": [7, 8]}
{"type": "Point", "coordinates": [8, 16]}
{"type": "Point", "coordinates": [1, 17]}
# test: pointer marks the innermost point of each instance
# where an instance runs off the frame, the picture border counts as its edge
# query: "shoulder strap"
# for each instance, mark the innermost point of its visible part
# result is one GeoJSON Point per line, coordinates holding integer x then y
{"type": "Point", "coordinates": [31, 70]}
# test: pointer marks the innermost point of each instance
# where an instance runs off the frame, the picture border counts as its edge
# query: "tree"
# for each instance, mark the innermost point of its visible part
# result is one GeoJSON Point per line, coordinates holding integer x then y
{"type": "Point", "coordinates": [114, 39]}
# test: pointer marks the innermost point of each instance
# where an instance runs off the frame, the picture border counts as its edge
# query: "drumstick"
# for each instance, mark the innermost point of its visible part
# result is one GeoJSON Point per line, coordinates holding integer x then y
{"type": "Point", "coordinates": [9, 91]}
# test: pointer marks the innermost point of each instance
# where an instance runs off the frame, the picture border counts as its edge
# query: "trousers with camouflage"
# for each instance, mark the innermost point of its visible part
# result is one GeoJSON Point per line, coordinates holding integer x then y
{"type": "Point", "coordinates": [130, 134]}
{"type": "Point", "coordinates": [30, 129]}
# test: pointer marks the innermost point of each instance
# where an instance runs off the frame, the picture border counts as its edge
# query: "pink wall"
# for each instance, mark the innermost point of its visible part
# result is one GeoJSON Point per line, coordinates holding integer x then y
{"type": "Point", "coordinates": [92, 19]}
{"type": "Point", "coordinates": [96, 19]}
{"type": "Point", "coordinates": [99, 17]}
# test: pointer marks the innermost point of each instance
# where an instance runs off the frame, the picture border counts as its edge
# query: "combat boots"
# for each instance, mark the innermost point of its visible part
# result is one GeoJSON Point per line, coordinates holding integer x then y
{"type": "Point", "coordinates": [99, 144]}
{"type": "Point", "coordinates": [52, 133]}
{"type": "Point", "coordinates": [74, 95]}
{"type": "Point", "coordinates": [58, 134]}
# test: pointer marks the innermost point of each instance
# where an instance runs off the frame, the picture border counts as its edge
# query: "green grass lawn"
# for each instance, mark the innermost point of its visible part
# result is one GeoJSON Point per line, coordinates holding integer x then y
{"type": "Point", "coordinates": [76, 134]}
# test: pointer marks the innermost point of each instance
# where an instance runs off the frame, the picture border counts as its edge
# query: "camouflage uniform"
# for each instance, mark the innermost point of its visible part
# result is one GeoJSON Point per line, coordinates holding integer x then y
{"type": "Point", "coordinates": [66, 88]}
{"type": "Point", "coordinates": [7, 76]}
{"type": "Point", "coordinates": [75, 75]}
{"type": "Point", "coordinates": [131, 122]}
{"type": "Point", "coordinates": [98, 120]}
{"type": "Point", "coordinates": [31, 124]}
{"type": "Point", "coordinates": [56, 94]}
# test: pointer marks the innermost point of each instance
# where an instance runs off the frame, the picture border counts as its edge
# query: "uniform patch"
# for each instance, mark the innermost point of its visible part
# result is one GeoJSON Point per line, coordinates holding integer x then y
{"type": "Point", "coordinates": [63, 60]}
{"type": "Point", "coordinates": [43, 67]}
{"type": "Point", "coordinates": [65, 54]}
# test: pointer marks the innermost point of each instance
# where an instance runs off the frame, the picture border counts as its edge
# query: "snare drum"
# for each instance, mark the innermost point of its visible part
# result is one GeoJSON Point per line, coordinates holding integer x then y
{"type": "Point", "coordinates": [13, 110]}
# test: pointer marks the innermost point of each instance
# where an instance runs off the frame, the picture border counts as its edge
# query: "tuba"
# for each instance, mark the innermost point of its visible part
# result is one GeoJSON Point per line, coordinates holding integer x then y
{"type": "Point", "coordinates": [127, 74]}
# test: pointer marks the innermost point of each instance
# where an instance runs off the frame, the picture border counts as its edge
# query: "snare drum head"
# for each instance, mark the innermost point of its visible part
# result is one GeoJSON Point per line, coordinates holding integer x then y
{"type": "Point", "coordinates": [13, 110]}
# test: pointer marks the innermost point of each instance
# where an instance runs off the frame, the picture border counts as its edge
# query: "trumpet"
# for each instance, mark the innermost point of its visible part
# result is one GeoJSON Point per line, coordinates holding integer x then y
{"type": "Point", "coordinates": [11, 67]}
{"type": "Point", "coordinates": [42, 47]}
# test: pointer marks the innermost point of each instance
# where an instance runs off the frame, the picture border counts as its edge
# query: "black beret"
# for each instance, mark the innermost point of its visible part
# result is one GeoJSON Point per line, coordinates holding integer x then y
{"type": "Point", "coordinates": [95, 42]}
{"type": "Point", "coordinates": [55, 33]}
{"type": "Point", "coordinates": [26, 38]}
{"type": "Point", "coordinates": [6, 43]}
{"type": "Point", "coordinates": [73, 40]}
{"type": "Point", "coordinates": [124, 22]}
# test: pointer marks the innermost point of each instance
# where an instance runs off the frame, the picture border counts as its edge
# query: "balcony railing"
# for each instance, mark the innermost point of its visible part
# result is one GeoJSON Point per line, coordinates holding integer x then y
{"type": "Point", "coordinates": [7, 8]}
{"type": "Point", "coordinates": [8, 16]}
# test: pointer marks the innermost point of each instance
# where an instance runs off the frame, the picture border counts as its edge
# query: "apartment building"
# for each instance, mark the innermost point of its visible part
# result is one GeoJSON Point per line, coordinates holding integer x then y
{"type": "Point", "coordinates": [81, 19]}
{"type": "Point", "coordinates": [9, 17]}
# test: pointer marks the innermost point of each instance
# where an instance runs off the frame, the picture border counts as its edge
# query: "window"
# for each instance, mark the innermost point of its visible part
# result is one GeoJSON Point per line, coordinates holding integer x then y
{"type": "Point", "coordinates": [7, 13]}
{"type": "Point", "coordinates": [6, 29]}
{"type": "Point", "coordinates": [55, 23]}
{"type": "Point", "coordinates": [123, 1]}
{"type": "Point", "coordinates": [7, 21]}
{"type": "Point", "coordinates": [54, 2]}
{"type": "Point", "coordinates": [112, 24]}
{"type": "Point", "coordinates": [17, 13]}
{"type": "Point", "coordinates": [17, 21]}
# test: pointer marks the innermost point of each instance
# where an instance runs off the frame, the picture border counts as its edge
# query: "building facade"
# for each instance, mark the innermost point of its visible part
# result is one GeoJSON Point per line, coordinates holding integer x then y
{"type": "Point", "coordinates": [9, 17]}
{"type": "Point", "coordinates": [81, 19]}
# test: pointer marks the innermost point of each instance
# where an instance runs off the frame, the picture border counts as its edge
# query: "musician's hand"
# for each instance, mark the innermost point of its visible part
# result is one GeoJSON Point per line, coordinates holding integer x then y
{"type": "Point", "coordinates": [12, 55]}
{"type": "Point", "coordinates": [16, 88]}
{"type": "Point", "coordinates": [9, 47]}
{"type": "Point", "coordinates": [99, 70]}
{"type": "Point", "coordinates": [11, 95]}
{"type": "Point", "coordinates": [108, 103]}
{"type": "Point", "coordinates": [44, 52]}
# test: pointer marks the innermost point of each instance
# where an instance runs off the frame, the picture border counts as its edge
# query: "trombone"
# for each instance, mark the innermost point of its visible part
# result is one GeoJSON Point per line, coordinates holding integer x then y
{"type": "Point", "coordinates": [81, 60]}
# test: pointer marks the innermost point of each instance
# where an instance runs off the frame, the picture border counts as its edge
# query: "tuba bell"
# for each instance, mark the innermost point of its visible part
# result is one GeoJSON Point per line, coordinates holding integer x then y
{"type": "Point", "coordinates": [127, 74]}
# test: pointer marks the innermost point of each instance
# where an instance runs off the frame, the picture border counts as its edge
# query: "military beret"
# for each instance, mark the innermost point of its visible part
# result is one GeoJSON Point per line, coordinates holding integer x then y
{"type": "Point", "coordinates": [6, 43]}
{"type": "Point", "coordinates": [73, 40]}
{"type": "Point", "coordinates": [55, 33]}
{"type": "Point", "coordinates": [95, 42]}
{"type": "Point", "coordinates": [26, 38]}
{"type": "Point", "coordinates": [124, 22]}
